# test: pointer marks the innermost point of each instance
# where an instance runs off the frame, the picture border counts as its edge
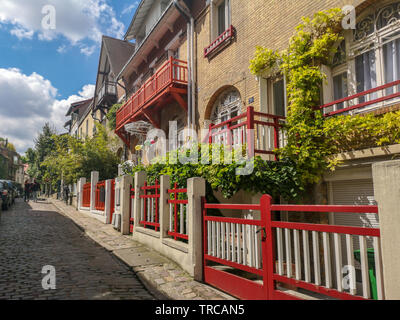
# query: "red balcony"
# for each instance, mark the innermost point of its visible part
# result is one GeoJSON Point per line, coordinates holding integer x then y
{"type": "Point", "coordinates": [268, 132]}
{"type": "Point", "coordinates": [171, 78]}
{"type": "Point", "coordinates": [366, 101]}
{"type": "Point", "coordinates": [220, 42]}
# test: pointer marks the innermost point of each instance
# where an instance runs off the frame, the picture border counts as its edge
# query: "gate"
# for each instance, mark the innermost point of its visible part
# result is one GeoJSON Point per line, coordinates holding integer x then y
{"type": "Point", "coordinates": [86, 195]}
{"type": "Point", "coordinates": [234, 253]}
{"type": "Point", "coordinates": [131, 215]}
{"type": "Point", "coordinates": [270, 259]}
{"type": "Point", "coordinates": [100, 196]}
{"type": "Point", "coordinates": [112, 200]}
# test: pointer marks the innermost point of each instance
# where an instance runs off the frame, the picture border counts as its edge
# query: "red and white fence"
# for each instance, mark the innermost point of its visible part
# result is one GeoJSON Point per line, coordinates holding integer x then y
{"type": "Point", "coordinates": [100, 196]}
{"type": "Point", "coordinates": [149, 204]}
{"type": "Point", "coordinates": [178, 214]}
{"type": "Point", "coordinates": [131, 204]}
{"type": "Point", "coordinates": [259, 258]}
{"type": "Point", "coordinates": [86, 195]}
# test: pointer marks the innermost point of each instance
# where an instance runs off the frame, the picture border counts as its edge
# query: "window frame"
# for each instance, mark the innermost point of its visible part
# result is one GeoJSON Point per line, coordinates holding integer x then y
{"type": "Point", "coordinates": [267, 101]}
{"type": "Point", "coordinates": [355, 48]}
{"type": "Point", "coordinates": [214, 5]}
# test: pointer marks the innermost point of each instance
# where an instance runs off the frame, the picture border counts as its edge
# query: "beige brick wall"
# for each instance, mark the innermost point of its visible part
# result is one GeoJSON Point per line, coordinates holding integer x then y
{"type": "Point", "coordinates": [268, 23]}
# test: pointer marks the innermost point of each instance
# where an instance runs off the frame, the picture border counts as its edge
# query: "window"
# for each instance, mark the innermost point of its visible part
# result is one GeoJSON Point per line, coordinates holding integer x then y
{"type": "Point", "coordinates": [391, 61]}
{"type": "Point", "coordinates": [368, 57]}
{"type": "Point", "coordinates": [272, 96]}
{"type": "Point", "coordinates": [340, 90]}
{"type": "Point", "coordinates": [227, 106]}
{"type": "Point", "coordinates": [366, 72]}
{"type": "Point", "coordinates": [279, 97]}
{"type": "Point", "coordinates": [220, 17]}
{"type": "Point", "coordinates": [87, 128]}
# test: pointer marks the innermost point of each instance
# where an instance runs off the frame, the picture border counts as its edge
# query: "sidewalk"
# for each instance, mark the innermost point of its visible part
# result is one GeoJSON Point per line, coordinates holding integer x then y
{"type": "Point", "coordinates": [161, 276]}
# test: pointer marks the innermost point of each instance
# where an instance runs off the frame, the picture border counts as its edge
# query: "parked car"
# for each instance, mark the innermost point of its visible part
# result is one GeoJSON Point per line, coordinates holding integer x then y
{"type": "Point", "coordinates": [6, 194]}
{"type": "Point", "coordinates": [12, 189]}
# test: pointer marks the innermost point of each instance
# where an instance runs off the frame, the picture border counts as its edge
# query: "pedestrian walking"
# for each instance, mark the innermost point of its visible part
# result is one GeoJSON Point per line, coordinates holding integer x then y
{"type": "Point", "coordinates": [66, 194]}
{"type": "Point", "coordinates": [27, 191]}
{"type": "Point", "coordinates": [35, 190]}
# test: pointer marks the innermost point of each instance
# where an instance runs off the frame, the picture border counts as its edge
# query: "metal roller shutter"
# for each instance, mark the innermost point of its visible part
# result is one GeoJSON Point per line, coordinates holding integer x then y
{"type": "Point", "coordinates": [354, 192]}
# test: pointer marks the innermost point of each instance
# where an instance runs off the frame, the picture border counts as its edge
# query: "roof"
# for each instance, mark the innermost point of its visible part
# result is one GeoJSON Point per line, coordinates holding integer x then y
{"type": "Point", "coordinates": [118, 52]}
{"type": "Point", "coordinates": [138, 19]}
{"type": "Point", "coordinates": [170, 13]}
{"type": "Point", "coordinates": [77, 105]}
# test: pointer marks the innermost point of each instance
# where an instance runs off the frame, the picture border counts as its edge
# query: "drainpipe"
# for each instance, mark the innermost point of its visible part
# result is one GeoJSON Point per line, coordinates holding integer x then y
{"type": "Point", "coordinates": [190, 50]}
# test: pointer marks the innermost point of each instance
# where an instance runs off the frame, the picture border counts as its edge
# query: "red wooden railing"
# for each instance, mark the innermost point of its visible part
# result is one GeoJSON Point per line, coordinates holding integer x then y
{"type": "Point", "coordinates": [364, 101]}
{"type": "Point", "coordinates": [268, 134]}
{"type": "Point", "coordinates": [173, 71]}
{"type": "Point", "coordinates": [150, 206]}
{"type": "Point", "coordinates": [112, 200]}
{"type": "Point", "coordinates": [178, 214]}
{"type": "Point", "coordinates": [100, 196]}
{"type": "Point", "coordinates": [131, 219]}
{"type": "Point", "coordinates": [226, 35]}
{"type": "Point", "coordinates": [279, 253]}
{"type": "Point", "coordinates": [86, 195]}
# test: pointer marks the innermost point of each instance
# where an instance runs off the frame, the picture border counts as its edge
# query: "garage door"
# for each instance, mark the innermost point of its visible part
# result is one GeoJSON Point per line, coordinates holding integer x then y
{"type": "Point", "coordinates": [354, 192]}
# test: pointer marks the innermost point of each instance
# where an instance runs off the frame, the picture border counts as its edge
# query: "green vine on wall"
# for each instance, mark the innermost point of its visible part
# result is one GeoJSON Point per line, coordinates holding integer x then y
{"type": "Point", "coordinates": [311, 46]}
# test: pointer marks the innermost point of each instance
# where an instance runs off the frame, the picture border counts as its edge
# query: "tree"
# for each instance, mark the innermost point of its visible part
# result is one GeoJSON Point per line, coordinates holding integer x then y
{"type": "Point", "coordinates": [44, 146]}
{"type": "Point", "coordinates": [72, 158]}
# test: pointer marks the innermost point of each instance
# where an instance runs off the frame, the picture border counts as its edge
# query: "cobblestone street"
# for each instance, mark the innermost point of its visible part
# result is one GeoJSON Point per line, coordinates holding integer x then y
{"type": "Point", "coordinates": [34, 235]}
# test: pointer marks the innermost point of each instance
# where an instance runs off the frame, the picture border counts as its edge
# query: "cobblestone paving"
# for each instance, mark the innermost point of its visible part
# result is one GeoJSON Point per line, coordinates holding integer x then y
{"type": "Point", "coordinates": [165, 279]}
{"type": "Point", "coordinates": [34, 235]}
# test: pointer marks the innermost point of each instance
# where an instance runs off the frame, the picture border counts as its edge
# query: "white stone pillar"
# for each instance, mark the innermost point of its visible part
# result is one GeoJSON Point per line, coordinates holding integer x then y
{"type": "Point", "coordinates": [164, 206]}
{"type": "Point", "coordinates": [386, 177]}
{"type": "Point", "coordinates": [125, 185]}
{"type": "Point", "coordinates": [196, 190]}
{"type": "Point", "coordinates": [94, 179]}
{"type": "Point", "coordinates": [81, 183]}
{"type": "Point", "coordinates": [107, 207]}
{"type": "Point", "coordinates": [140, 179]}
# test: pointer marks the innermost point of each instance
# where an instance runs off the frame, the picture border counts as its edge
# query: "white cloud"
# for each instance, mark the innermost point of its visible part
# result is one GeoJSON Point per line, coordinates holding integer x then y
{"type": "Point", "coordinates": [129, 9]}
{"type": "Point", "coordinates": [76, 20]}
{"type": "Point", "coordinates": [27, 102]}
{"type": "Point", "coordinates": [88, 51]}
{"type": "Point", "coordinates": [62, 49]}
{"type": "Point", "coordinates": [21, 33]}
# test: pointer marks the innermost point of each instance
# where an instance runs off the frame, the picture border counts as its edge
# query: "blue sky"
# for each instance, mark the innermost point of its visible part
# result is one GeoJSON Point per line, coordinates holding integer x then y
{"type": "Point", "coordinates": [42, 70]}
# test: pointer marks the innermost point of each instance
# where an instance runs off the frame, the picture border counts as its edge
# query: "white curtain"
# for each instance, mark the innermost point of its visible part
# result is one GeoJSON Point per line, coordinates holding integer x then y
{"type": "Point", "coordinates": [391, 55]}
{"type": "Point", "coordinates": [366, 73]}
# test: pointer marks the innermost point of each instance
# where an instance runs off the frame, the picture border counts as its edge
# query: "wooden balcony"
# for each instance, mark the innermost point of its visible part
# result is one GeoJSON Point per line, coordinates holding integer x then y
{"type": "Point", "coordinates": [171, 78]}
{"type": "Point", "coordinates": [107, 94]}
{"type": "Point", "coordinates": [367, 101]}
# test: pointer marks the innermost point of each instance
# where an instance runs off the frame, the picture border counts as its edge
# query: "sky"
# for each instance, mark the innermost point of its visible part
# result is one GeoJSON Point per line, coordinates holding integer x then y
{"type": "Point", "coordinates": [49, 54]}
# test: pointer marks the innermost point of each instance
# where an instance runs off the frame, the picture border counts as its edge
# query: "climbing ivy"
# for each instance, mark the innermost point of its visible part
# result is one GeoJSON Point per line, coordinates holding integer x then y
{"type": "Point", "coordinates": [312, 45]}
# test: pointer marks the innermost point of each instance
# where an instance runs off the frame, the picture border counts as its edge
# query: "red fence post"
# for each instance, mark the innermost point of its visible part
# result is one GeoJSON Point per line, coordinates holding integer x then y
{"type": "Point", "coordinates": [267, 245]}
{"type": "Point", "coordinates": [250, 136]}
{"type": "Point", "coordinates": [205, 231]}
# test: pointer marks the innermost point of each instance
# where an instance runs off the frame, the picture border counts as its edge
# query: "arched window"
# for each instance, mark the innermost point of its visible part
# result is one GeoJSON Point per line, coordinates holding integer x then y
{"type": "Point", "coordinates": [370, 55]}
{"type": "Point", "coordinates": [227, 106]}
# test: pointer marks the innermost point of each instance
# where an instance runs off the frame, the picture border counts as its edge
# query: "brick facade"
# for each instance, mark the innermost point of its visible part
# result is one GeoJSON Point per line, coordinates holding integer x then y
{"type": "Point", "coordinates": [266, 23]}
